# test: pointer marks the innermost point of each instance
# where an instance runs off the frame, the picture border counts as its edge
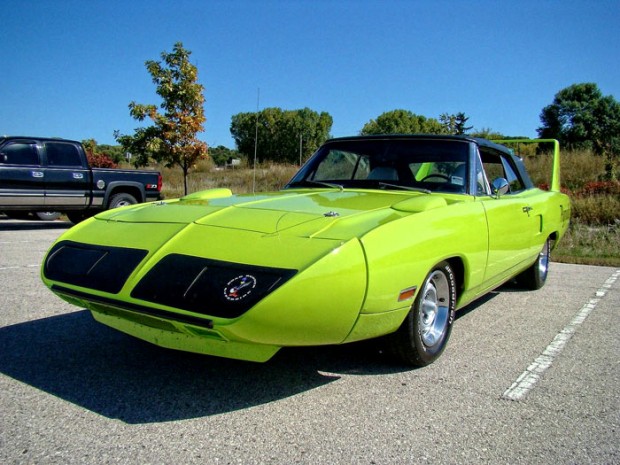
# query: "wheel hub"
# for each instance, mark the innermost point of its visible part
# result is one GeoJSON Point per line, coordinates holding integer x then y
{"type": "Point", "coordinates": [434, 309]}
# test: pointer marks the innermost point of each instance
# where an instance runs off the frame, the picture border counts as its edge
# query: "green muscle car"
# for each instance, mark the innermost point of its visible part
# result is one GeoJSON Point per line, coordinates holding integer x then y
{"type": "Point", "coordinates": [374, 236]}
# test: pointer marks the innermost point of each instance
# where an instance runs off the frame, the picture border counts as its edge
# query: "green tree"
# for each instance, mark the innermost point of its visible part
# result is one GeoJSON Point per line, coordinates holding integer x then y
{"type": "Point", "coordinates": [402, 122]}
{"type": "Point", "coordinates": [281, 133]}
{"type": "Point", "coordinates": [455, 124]}
{"type": "Point", "coordinates": [171, 139]}
{"type": "Point", "coordinates": [580, 117]}
{"type": "Point", "coordinates": [115, 152]}
{"type": "Point", "coordinates": [221, 154]}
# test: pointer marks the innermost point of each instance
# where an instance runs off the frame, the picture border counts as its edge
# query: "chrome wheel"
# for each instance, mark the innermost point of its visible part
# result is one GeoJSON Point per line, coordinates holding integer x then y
{"type": "Point", "coordinates": [424, 333]}
{"type": "Point", "coordinates": [535, 276]}
{"type": "Point", "coordinates": [543, 261]}
{"type": "Point", "coordinates": [434, 308]}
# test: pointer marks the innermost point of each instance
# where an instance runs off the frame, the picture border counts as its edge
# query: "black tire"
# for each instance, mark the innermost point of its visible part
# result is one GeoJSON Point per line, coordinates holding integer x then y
{"type": "Point", "coordinates": [122, 200]}
{"type": "Point", "coordinates": [536, 275]}
{"type": "Point", "coordinates": [19, 215]}
{"type": "Point", "coordinates": [77, 217]}
{"type": "Point", "coordinates": [47, 216]}
{"type": "Point", "coordinates": [423, 336]}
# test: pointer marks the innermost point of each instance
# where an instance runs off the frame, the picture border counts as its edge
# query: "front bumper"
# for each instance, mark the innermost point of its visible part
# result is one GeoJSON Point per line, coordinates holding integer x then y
{"type": "Point", "coordinates": [177, 307]}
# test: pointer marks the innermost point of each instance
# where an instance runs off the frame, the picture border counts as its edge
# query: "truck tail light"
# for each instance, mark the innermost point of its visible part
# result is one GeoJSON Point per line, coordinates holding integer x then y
{"type": "Point", "coordinates": [159, 183]}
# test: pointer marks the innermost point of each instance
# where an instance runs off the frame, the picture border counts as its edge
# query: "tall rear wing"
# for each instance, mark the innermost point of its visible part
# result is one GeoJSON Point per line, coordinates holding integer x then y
{"type": "Point", "coordinates": [555, 174]}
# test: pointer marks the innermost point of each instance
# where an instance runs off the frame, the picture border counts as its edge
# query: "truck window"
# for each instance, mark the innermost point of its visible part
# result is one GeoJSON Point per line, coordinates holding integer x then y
{"type": "Point", "coordinates": [19, 154]}
{"type": "Point", "coordinates": [61, 154]}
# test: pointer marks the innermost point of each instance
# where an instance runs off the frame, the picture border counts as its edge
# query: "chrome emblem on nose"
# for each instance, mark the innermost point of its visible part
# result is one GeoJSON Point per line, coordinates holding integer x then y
{"type": "Point", "coordinates": [239, 288]}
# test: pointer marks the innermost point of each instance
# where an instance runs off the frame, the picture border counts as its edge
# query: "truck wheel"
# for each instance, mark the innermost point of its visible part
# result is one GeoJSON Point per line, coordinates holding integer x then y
{"type": "Point", "coordinates": [77, 217]}
{"type": "Point", "coordinates": [18, 215]}
{"type": "Point", "coordinates": [122, 200]}
{"type": "Point", "coordinates": [47, 216]}
{"type": "Point", "coordinates": [423, 335]}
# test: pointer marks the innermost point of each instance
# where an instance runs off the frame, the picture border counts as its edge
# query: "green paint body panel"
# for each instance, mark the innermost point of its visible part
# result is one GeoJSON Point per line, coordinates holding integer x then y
{"type": "Point", "coordinates": [351, 266]}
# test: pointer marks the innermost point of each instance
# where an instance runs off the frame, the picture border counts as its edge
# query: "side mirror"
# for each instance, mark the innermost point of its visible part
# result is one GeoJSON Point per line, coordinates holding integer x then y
{"type": "Point", "coordinates": [500, 187]}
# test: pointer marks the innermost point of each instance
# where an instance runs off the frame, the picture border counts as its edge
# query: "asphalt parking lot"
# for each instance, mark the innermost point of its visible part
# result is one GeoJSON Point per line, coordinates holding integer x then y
{"type": "Point", "coordinates": [527, 378]}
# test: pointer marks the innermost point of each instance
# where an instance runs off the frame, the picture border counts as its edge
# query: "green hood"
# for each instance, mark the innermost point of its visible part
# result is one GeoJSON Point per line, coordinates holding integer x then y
{"type": "Point", "coordinates": [329, 214]}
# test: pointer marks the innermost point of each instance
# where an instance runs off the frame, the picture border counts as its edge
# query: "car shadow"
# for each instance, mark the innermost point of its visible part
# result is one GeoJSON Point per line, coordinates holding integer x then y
{"type": "Point", "coordinates": [76, 359]}
{"type": "Point", "coordinates": [508, 287]}
{"type": "Point", "coordinates": [467, 309]}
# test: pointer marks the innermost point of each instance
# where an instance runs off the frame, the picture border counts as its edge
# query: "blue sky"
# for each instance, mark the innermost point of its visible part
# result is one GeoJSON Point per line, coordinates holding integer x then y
{"type": "Point", "coordinates": [70, 68]}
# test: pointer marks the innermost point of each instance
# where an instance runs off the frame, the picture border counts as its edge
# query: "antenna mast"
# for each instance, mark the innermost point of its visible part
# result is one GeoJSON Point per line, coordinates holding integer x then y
{"type": "Point", "coordinates": [255, 141]}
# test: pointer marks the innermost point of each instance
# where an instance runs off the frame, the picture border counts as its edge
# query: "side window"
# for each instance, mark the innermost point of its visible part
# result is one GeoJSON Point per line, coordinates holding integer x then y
{"type": "Point", "coordinates": [62, 154]}
{"type": "Point", "coordinates": [516, 185]}
{"type": "Point", "coordinates": [19, 154]}
{"type": "Point", "coordinates": [497, 165]}
{"type": "Point", "coordinates": [482, 184]}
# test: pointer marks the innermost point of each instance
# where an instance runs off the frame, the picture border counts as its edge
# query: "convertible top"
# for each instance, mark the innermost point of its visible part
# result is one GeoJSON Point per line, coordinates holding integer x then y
{"type": "Point", "coordinates": [477, 140]}
{"type": "Point", "coordinates": [480, 142]}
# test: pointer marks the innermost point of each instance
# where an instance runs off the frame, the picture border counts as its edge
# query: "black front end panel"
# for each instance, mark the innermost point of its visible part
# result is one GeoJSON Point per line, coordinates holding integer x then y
{"type": "Point", "coordinates": [98, 267]}
{"type": "Point", "coordinates": [209, 287]}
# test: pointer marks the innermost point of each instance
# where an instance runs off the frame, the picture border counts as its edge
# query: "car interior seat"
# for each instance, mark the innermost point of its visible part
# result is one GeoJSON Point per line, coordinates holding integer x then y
{"type": "Point", "coordinates": [383, 173]}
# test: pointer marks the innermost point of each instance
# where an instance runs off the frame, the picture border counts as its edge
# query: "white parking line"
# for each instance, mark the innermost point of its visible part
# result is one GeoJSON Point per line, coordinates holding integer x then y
{"type": "Point", "coordinates": [2, 268]}
{"type": "Point", "coordinates": [528, 379]}
{"type": "Point", "coordinates": [17, 242]}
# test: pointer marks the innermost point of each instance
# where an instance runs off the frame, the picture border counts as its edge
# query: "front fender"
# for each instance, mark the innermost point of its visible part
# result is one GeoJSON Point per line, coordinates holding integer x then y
{"type": "Point", "coordinates": [318, 306]}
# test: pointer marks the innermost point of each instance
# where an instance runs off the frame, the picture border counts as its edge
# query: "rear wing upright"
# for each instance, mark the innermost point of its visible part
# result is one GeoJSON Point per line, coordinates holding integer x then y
{"type": "Point", "coordinates": [555, 174]}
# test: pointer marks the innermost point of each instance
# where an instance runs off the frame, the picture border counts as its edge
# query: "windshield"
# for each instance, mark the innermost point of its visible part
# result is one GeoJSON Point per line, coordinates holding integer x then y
{"type": "Point", "coordinates": [433, 165]}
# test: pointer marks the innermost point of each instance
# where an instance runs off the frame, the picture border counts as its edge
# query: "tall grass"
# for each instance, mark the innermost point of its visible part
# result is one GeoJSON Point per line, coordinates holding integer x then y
{"type": "Point", "coordinates": [577, 168]}
{"type": "Point", "coordinates": [593, 236]}
{"type": "Point", "coordinates": [240, 180]}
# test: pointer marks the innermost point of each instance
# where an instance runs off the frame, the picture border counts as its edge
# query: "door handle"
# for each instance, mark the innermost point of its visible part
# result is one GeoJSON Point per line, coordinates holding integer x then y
{"type": "Point", "coordinates": [78, 176]}
{"type": "Point", "coordinates": [527, 210]}
{"type": "Point", "coordinates": [37, 174]}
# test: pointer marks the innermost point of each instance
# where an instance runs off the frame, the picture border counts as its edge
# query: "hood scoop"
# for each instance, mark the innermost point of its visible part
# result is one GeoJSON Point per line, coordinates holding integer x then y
{"type": "Point", "coordinates": [262, 221]}
{"type": "Point", "coordinates": [420, 204]}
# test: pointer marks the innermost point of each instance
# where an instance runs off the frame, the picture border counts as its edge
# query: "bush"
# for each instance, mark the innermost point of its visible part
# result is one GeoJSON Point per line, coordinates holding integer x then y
{"type": "Point", "coordinates": [577, 168]}
{"type": "Point", "coordinates": [601, 188]}
{"type": "Point", "coordinates": [596, 210]}
{"type": "Point", "coordinates": [100, 160]}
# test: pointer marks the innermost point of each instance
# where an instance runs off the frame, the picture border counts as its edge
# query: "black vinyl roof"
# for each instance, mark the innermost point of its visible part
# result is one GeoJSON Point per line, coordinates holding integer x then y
{"type": "Point", "coordinates": [477, 140]}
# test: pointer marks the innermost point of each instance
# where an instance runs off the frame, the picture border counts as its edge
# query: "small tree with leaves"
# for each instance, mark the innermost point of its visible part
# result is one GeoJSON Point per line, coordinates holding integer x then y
{"type": "Point", "coordinates": [455, 124]}
{"type": "Point", "coordinates": [580, 117]}
{"type": "Point", "coordinates": [280, 133]}
{"type": "Point", "coordinates": [171, 140]}
{"type": "Point", "coordinates": [402, 122]}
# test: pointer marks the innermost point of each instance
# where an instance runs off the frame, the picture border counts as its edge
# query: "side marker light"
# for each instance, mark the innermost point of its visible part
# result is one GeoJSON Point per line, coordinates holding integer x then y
{"type": "Point", "coordinates": [407, 294]}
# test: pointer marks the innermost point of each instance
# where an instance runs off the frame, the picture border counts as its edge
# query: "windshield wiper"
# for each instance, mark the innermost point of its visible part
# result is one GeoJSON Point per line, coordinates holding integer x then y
{"type": "Point", "coordinates": [318, 183]}
{"type": "Point", "coordinates": [407, 188]}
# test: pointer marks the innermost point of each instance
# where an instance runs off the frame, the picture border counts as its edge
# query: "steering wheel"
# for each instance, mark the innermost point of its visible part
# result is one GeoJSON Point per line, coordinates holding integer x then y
{"type": "Point", "coordinates": [436, 175]}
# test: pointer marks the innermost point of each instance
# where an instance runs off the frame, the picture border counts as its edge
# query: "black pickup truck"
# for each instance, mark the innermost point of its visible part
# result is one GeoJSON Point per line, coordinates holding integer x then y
{"type": "Point", "coordinates": [52, 175]}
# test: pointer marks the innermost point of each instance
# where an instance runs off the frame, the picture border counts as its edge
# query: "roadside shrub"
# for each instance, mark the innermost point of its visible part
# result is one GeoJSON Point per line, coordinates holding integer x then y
{"type": "Point", "coordinates": [565, 190]}
{"type": "Point", "coordinates": [596, 210]}
{"type": "Point", "coordinates": [611, 188]}
{"type": "Point", "coordinates": [269, 177]}
{"type": "Point", "coordinates": [577, 168]}
{"type": "Point", "coordinates": [590, 245]}
{"type": "Point", "coordinates": [100, 160]}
